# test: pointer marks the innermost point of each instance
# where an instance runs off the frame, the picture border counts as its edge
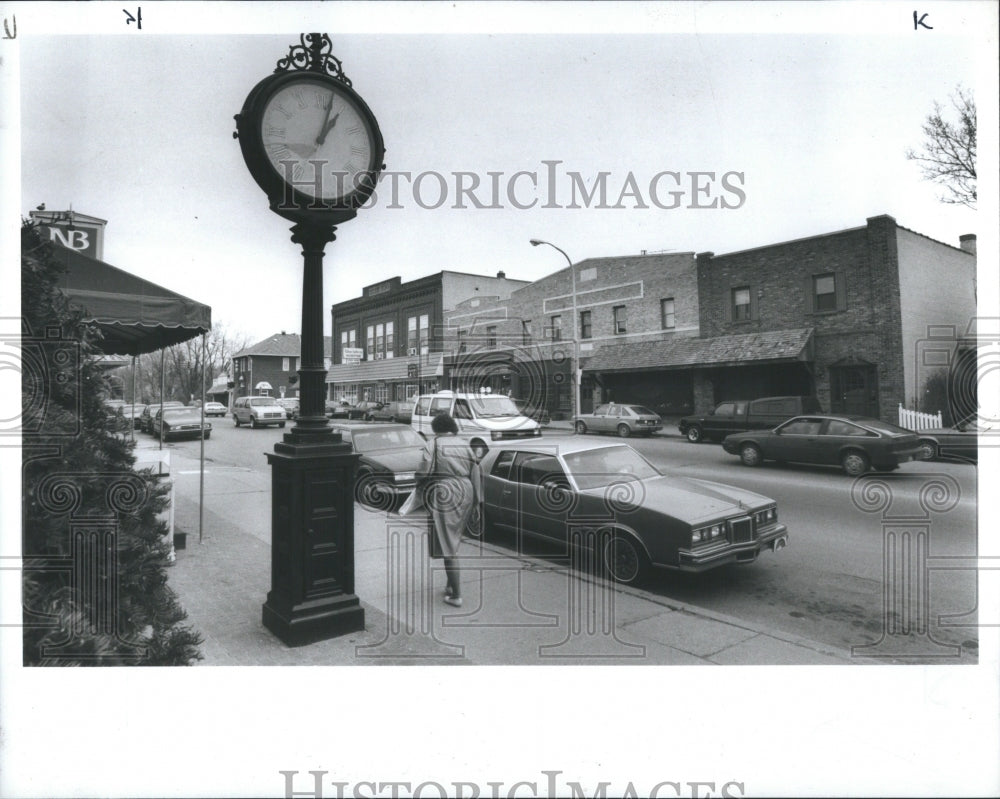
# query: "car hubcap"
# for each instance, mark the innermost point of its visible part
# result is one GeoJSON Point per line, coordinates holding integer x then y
{"type": "Point", "coordinates": [750, 455]}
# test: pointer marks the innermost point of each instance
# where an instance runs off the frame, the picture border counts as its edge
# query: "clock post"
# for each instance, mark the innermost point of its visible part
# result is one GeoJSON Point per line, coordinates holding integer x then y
{"type": "Point", "coordinates": [315, 148]}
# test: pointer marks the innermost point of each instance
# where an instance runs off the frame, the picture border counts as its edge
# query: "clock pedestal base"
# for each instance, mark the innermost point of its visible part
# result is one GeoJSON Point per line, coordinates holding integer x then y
{"type": "Point", "coordinates": [312, 542]}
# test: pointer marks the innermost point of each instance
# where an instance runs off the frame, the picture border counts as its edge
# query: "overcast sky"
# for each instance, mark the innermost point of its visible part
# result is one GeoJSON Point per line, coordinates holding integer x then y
{"type": "Point", "coordinates": [808, 108]}
{"type": "Point", "coordinates": [809, 130]}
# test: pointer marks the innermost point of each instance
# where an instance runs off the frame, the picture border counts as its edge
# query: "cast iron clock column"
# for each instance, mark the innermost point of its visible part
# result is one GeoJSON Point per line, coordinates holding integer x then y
{"type": "Point", "coordinates": [315, 148]}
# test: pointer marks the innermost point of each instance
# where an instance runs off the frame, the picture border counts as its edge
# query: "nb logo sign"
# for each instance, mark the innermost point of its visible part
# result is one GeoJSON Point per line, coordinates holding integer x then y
{"type": "Point", "coordinates": [74, 239]}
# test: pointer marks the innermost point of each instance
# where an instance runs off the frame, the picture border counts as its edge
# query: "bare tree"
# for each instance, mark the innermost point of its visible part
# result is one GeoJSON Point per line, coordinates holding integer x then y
{"type": "Point", "coordinates": [948, 156]}
{"type": "Point", "coordinates": [182, 366]}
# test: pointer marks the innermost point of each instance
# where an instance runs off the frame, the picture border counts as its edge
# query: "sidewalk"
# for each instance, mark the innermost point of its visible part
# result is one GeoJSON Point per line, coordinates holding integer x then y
{"type": "Point", "coordinates": [519, 610]}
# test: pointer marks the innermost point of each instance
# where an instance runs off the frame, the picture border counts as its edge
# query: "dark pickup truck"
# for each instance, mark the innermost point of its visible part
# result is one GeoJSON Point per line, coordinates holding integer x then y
{"type": "Point", "coordinates": [737, 416]}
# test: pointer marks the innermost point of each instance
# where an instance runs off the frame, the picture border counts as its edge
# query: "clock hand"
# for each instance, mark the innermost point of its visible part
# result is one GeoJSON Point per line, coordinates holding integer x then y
{"type": "Point", "coordinates": [327, 127]}
{"type": "Point", "coordinates": [326, 117]}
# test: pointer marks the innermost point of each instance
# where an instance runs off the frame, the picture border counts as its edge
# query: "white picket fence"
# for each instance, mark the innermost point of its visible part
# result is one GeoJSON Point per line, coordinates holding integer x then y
{"type": "Point", "coordinates": [916, 420]}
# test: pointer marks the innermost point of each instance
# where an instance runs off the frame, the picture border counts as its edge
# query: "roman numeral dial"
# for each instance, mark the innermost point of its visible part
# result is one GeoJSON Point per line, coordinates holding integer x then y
{"type": "Point", "coordinates": [319, 138]}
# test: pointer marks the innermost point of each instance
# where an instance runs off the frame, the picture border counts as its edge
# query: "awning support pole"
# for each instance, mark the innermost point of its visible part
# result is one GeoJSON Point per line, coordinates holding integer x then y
{"type": "Point", "coordinates": [201, 469]}
{"type": "Point", "coordinates": [163, 382]}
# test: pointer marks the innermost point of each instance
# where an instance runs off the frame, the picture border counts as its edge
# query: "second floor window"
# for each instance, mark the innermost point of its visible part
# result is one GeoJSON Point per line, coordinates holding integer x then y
{"type": "Point", "coordinates": [741, 304]}
{"type": "Point", "coordinates": [667, 313]}
{"type": "Point", "coordinates": [557, 328]}
{"type": "Point", "coordinates": [828, 292]}
{"type": "Point", "coordinates": [370, 337]}
{"type": "Point", "coordinates": [586, 329]}
{"type": "Point", "coordinates": [491, 337]}
{"type": "Point", "coordinates": [526, 332]}
{"type": "Point", "coordinates": [620, 319]}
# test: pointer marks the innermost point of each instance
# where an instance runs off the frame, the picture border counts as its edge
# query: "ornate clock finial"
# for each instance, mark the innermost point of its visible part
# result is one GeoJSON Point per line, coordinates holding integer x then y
{"type": "Point", "coordinates": [313, 53]}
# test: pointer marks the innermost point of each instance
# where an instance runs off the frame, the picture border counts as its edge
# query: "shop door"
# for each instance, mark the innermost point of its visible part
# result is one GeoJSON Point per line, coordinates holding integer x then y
{"type": "Point", "coordinates": [854, 390]}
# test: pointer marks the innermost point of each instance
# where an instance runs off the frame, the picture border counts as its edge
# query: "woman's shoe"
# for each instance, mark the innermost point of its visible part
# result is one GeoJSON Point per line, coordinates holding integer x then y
{"type": "Point", "coordinates": [453, 600]}
{"type": "Point", "coordinates": [448, 591]}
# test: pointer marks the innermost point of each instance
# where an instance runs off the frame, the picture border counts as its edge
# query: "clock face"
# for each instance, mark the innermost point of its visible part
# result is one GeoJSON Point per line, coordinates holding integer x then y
{"type": "Point", "coordinates": [318, 140]}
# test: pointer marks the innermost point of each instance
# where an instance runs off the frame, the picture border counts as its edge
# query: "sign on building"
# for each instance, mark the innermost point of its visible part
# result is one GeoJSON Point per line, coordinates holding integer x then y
{"type": "Point", "coordinates": [351, 355]}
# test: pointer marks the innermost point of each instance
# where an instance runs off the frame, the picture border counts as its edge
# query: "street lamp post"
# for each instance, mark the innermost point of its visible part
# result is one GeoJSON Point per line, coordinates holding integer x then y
{"type": "Point", "coordinates": [576, 371]}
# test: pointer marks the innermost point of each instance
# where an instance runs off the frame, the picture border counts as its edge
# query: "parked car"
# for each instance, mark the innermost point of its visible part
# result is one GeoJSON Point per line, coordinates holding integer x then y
{"type": "Point", "coordinates": [856, 443]}
{"type": "Point", "coordinates": [258, 412]}
{"type": "Point", "coordinates": [291, 406]}
{"type": "Point", "coordinates": [488, 415]}
{"type": "Point", "coordinates": [610, 499]}
{"type": "Point", "coordinates": [115, 410]}
{"type": "Point", "coordinates": [180, 423]}
{"type": "Point", "coordinates": [959, 442]}
{"type": "Point", "coordinates": [736, 416]}
{"type": "Point", "coordinates": [532, 411]}
{"type": "Point", "coordinates": [337, 409]}
{"type": "Point", "coordinates": [396, 411]}
{"type": "Point", "coordinates": [390, 454]}
{"type": "Point", "coordinates": [214, 408]}
{"type": "Point", "coordinates": [146, 417]}
{"type": "Point", "coordinates": [133, 414]}
{"type": "Point", "coordinates": [625, 420]}
{"type": "Point", "coordinates": [363, 410]}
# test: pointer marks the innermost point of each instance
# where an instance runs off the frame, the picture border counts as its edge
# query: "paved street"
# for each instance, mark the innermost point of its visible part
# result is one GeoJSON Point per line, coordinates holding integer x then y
{"type": "Point", "coordinates": [827, 585]}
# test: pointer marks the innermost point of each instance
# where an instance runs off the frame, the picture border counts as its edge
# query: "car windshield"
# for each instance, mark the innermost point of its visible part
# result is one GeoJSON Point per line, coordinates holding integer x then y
{"type": "Point", "coordinates": [369, 441]}
{"type": "Point", "coordinates": [641, 410]}
{"type": "Point", "coordinates": [489, 406]}
{"type": "Point", "coordinates": [259, 401]}
{"type": "Point", "coordinates": [168, 412]}
{"type": "Point", "coordinates": [601, 467]}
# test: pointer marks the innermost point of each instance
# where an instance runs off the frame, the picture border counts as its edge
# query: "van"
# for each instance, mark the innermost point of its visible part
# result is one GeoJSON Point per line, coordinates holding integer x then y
{"type": "Point", "coordinates": [483, 414]}
{"type": "Point", "coordinates": [258, 412]}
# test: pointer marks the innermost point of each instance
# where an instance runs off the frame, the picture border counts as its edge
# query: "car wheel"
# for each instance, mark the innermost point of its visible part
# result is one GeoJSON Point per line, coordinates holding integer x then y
{"type": "Point", "coordinates": [581, 428]}
{"type": "Point", "coordinates": [624, 431]}
{"type": "Point", "coordinates": [928, 450]}
{"type": "Point", "coordinates": [373, 492]}
{"type": "Point", "coordinates": [281, 424]}
{"type": "Point", "coordinates": [236, 420]}
{"type": "Point", "coordinates": [694, 434]}
{"type": "Point", "coordinates": [854, 463]}
{"type": "Point", "coordinates": [392, 420]}
{"type": "Point", "coordinates": [207, 436]}
{"type": "Point", "coordinates": [624, 560]}
{"type": "Point", "coordinates": [253, 422]}
{"type": "Point", "coordinates": [751, 455]}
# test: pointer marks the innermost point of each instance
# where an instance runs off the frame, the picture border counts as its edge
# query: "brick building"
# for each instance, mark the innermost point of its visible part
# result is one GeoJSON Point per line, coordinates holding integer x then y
{"type": "Point", "coordinates": [525, 345]}
{"type": "Point", "coordinates": [845, 315]}
{"type": "Point", "coordinates": [263, 369]}
{"type": "Point", "coordinates": [388, 344]}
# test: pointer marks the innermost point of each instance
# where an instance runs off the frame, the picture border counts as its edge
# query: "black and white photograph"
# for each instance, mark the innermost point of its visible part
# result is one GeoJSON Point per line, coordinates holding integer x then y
{"type": "Point", "coordinates": [641, 355]}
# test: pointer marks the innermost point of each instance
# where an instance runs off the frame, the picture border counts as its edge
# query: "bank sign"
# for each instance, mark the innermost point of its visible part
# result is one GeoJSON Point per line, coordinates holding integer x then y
{"type": "Point", "coordinates": [73, 231]}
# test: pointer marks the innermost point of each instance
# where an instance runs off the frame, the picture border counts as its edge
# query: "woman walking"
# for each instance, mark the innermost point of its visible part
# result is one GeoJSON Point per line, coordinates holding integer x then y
{"type": "Point", "coordinates": [451, 493]}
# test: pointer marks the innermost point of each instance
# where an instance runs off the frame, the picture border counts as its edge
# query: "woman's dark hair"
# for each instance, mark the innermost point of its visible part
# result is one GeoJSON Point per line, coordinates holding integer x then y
{"type": "Point", "coordinates": [443, 423]}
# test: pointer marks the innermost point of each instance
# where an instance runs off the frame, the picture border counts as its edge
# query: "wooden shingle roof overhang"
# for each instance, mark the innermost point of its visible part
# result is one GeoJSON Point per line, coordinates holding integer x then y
{"type": "Point", "coordinates": [773, 346]}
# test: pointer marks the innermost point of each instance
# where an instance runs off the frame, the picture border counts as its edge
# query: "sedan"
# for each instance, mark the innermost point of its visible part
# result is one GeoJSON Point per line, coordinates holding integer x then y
{"type": "Point", "coordinates": [146, 418]}
{"type": "Point", "coordinates": [960, 442]}
{"type": "Point", "coordinates": [364, 410]}
{"type": "Point", "coordinates": [856, 443]}
{"type": "Point", "coordinates": [395, 411]}
{"type": "Point", "coordinates": [337, 409]}
{"type": "Point", "coordinates": [390, 455]}
{"type": "Point", "coordinates": [215, 409]}
{"type": "Point", "coordinates": [291, 406]}
{"type": "Point", "coordinates": [625, 420]}
{"type": "Point", "coordinates": [607, 498]}
{"type": "Point", "coordinates": [180, 423]}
